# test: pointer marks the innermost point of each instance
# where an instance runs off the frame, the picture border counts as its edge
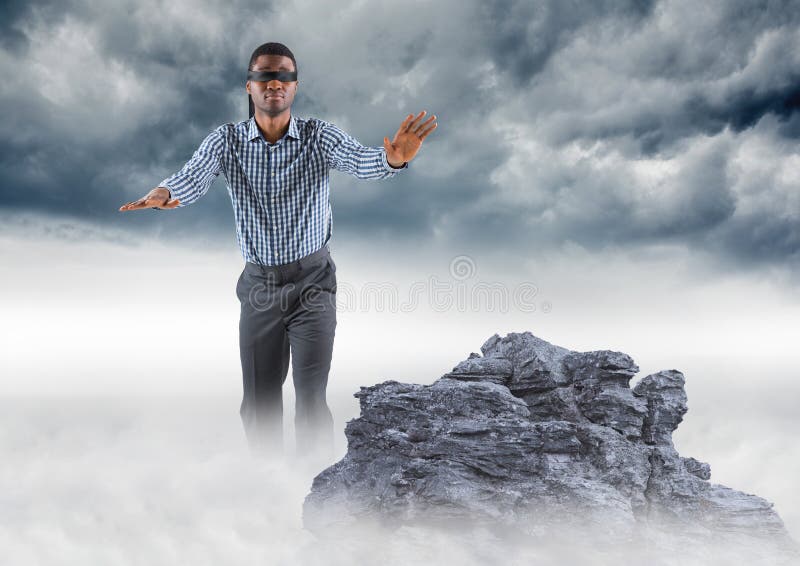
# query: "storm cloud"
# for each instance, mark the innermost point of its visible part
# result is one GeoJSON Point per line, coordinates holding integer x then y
{"type": "Point", "coordinates": [618, 123]}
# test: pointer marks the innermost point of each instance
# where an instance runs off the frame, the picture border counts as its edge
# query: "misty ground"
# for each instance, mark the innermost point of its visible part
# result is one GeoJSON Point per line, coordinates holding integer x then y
{"type": "Point", "coordinates": [103, 480]}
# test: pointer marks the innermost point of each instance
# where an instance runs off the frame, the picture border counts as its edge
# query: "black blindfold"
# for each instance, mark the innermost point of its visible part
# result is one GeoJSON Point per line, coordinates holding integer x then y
{"type": "Point", "coordinates": [283, 76]}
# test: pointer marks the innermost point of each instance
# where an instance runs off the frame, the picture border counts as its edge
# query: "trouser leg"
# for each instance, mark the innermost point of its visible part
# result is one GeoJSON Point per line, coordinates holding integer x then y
{"type": "Point", "coordinates": [311, 328]}
{"type": "Point", "coordinates": [264, 351]}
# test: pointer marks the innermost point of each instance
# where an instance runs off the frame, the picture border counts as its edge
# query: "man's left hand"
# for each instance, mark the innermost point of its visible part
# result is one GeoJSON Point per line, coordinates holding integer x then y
{"type": "Point", "coordinates": [408, 139]}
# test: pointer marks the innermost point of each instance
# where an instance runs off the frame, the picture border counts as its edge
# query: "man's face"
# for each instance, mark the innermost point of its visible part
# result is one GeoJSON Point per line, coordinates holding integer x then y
{"type": "Point", "coordinates": [273, 97]}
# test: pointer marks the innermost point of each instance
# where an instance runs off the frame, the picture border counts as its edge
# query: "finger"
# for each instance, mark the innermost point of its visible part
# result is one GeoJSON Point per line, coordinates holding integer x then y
{"type": "Point", "coordinates": [428, 131]}
{"type": "Point", "coordinates": [422, 126]}
{"type": "Point", "coordinates": [427, 125]}
{"type": "Point", "coordinates": [133, 205]}
{"type": "Point", "coordinates": [414, 123]}
{"type": "Point", "coordinates": [429, 120]}
{"type": "Point", "coordinates": [171, 203]}
{"type": "Point", "coordinates": [404, 125]}
{"type": "Point", "coordinates": [409, 123]}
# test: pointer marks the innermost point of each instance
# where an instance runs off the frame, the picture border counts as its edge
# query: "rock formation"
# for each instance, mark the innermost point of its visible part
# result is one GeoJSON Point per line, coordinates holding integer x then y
{"type": "Point", "coordinates": [529, 440]}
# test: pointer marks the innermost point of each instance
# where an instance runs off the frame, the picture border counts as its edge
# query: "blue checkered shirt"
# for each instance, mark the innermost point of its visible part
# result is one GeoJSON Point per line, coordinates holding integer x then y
{"type": "Point", "coordinates": [279, 191]}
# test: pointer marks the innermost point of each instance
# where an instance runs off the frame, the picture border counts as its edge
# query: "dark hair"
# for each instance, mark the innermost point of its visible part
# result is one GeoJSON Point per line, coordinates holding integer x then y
{"type": "Point", "coordinates": [272, 48]}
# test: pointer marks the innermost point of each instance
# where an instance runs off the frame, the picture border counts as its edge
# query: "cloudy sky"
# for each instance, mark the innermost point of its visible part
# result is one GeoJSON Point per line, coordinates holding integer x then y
{"type": "Point", "coordinates": [635, 163]}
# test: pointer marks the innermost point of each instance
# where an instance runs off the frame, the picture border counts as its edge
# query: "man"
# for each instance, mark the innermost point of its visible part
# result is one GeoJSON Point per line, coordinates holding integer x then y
{"type": "Point", "coordinates": [277, 168]}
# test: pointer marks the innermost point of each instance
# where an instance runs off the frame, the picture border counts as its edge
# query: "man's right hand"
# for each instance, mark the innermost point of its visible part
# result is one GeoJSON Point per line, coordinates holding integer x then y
{"type": "Point", "coordinates": [157, 198]}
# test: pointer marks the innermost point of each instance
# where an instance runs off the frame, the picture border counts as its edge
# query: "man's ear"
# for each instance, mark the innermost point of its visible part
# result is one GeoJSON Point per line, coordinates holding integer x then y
{"type": "Point", "coordinates": [247, 87]}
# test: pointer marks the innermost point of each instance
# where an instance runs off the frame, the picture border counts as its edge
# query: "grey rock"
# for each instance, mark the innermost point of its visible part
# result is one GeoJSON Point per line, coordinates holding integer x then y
{"type": "Point", "coordinates": [532, 440]}
{"type": "Point", "coordinates": [666, 405]}
{"type": "Point", "coordinates": [555, 404]}
{"type": "Point", "coordinates": [475, 368]}
{"type": "Point", "coordinates": [697, 468]}
{"type": "Point", "coordinates": [600, 383]}
{"type": "Point", "coordinates": [536, 364]}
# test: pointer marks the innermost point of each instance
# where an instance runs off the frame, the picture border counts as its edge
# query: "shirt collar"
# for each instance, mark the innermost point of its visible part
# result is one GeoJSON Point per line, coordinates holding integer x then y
{"type": "Point", "coordinates": [253, 133]}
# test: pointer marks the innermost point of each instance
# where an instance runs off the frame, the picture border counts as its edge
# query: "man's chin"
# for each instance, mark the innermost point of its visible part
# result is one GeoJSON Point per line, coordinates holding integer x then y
{"type": "Point", "coordinates": [272, 112]}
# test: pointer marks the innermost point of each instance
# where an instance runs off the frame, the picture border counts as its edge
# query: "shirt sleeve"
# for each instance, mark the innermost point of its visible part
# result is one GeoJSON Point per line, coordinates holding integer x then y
{"type": "Point", "coordinates": [344, 153]}
{"type": "Point", "coordinates": [196, 176]}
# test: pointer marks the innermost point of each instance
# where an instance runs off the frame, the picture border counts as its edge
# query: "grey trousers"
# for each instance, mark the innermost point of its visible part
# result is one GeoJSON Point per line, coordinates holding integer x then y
{"type": "Point", "coordinates": [285, 309]}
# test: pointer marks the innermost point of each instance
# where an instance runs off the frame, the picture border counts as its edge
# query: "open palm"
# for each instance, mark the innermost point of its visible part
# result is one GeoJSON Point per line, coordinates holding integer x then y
{"type": "Point", "coordinates": [409, 137]}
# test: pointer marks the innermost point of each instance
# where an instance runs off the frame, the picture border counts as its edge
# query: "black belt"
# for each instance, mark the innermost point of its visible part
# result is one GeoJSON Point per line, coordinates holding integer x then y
{"type": "Point", "coordinates": [288, 269]}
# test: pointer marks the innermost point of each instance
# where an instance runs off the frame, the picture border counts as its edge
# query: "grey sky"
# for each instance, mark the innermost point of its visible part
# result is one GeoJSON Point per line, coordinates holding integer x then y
{"type": "Point", "coordinates": [614, 123]}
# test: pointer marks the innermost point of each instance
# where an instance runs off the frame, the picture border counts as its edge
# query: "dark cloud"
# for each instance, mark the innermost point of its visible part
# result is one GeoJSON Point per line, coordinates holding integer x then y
{"type": "Point", "coordinates": [14, 14]}
{"type": "Point", "coordinates": [521, 36]}
{"type": "Point", "coordinates": [744, 108]}
{"type": "Point", "coordinates": [677, 73]}
{"type": "Point", "coordinates": [558, 121]}
{"type": "Point", "coordinates": [12, 11]}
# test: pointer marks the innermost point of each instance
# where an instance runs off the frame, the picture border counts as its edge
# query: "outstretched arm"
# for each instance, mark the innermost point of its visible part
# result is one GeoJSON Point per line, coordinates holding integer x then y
{"type": "Point", "coordinates": [188, 184]}
{"type": "Point", "coordinates": [346, 154]}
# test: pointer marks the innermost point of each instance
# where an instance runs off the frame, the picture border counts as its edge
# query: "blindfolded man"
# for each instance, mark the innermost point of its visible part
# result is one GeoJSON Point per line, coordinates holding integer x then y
{"type": "Point", "coordinates": [277, 167]}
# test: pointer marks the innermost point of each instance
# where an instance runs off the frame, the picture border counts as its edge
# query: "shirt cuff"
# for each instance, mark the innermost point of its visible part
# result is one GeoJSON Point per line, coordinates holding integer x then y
{"type": "Point", "coordinates": [389, 167]}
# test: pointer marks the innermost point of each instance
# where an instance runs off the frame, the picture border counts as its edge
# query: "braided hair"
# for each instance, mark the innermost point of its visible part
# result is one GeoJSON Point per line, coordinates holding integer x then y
{"type": "Point", "coordinates": [272, 48]}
